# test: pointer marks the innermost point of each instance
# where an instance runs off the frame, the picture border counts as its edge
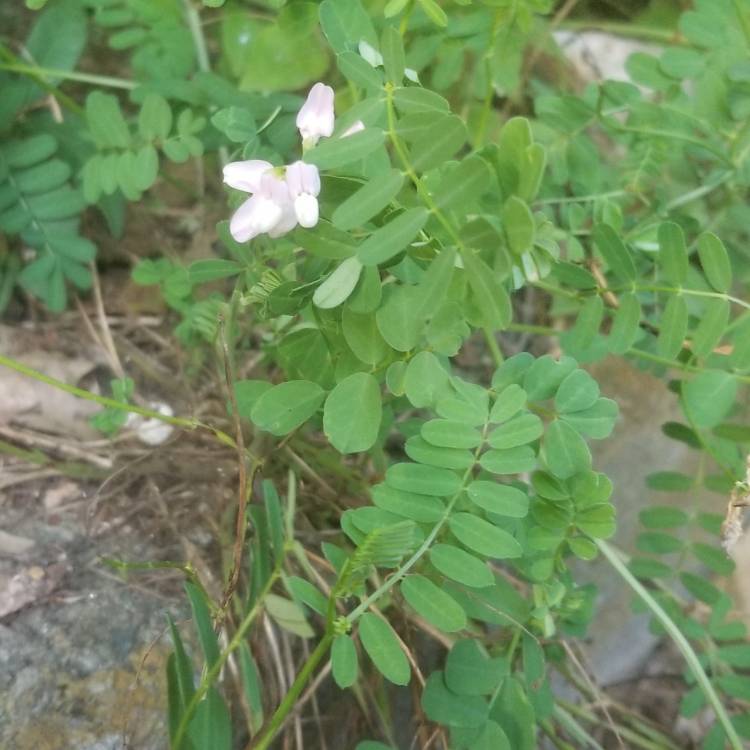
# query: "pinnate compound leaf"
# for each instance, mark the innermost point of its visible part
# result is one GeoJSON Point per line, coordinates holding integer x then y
{"type": "Point", "coordinates": [433, 604]}
{"type": "Point", "coordinates": [383, 648]}
{"type": "Point", "coordinates": [352, 413]}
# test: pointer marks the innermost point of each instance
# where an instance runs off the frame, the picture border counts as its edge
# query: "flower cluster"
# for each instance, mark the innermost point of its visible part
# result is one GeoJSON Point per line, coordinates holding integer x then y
{"type": "Point", "coordinates": [282, 197]}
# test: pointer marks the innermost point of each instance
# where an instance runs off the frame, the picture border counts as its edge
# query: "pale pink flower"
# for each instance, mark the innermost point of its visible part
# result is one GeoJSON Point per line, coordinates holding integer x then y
{"type": "Point", "coordinates": [315, 119]}
{"type": "Point", "coordinates": [303, 181]}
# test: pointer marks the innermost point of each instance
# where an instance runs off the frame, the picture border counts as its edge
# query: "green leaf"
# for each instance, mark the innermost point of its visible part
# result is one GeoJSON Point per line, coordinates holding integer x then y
{"type": "Point", "coordinates": [482, 537]}
{"type": "Point", "coordinates": [519, 225]}
{"type": "Point", "coordinates": [106, 123]}
{"type": "Point", "coordinates": [202, 619]}
{"type": "Point", "coordinates": [382, 646]}
{"type": "Point", "coordinates": [369, 200]}
{"type": "Point", "coordinates": [433, 604]}
{"type": "Point", "coordinates": [715, 262]}
{"type": "Point", "coordinates": [464, 184]}
{"type": "Point", "coordinates": [587, 324]}
{"type": "Point", "coordinates": [252, 686]}
{"type": "Point", "coordinates": [663, 517]}
{"type": "Point", "coordinates": [673, 255]}
{"type": "Point", "coordinates": [712, 326]}
{"type": "Point", "coordinates": [469, 671]}
{"type": "Point", "coordinates": [211, 725]}
{"type": "Point", "coordinates": [399, 317]}
{"type": "Point", "coordinates": [521, 430]}
{"type": "Point", "coordinates": [446, 707]}
{"type": "Point", "coordinates": [359, 71]}
{"type": "Point", "coordinates": [345, 23]}
{"type": "Point", "coordinates": [626, 324]}
{"type": "Point", "coordinates": [673, 327]}
{"type": "Point", "coordinates": [337, 288]}
{"type": "Point", "coordinates": [597, 520]}
{"type": "Point", "coordinates": [201, 271]}
{"type": "Point", "coordinates": [566, 452]}
{"type": "Point", "coordinates": [304, 591]}
{"type": "Point", "coordinates": [489, 293]}
{"type": "Point", "coordinates": [344, 662]}
{"type": "Point", "coordinates": [420, 508]}
{"type": "Point", "coordinates": [614, 252]}
{"type": "Point", "coordinates": [512, 461]}
{"type": "Point", "coordinates": [577, 392]}
{"type": "Point", "coordinates": [362, 336]}
{"type": "Point", "coordinates": [425, 380]}
{"type": "Point", "coordinates": [669, 481]}
{"type": "Point", "coordinates": [434, 12]}
{"type": "Point", "coordinates": [419, 450]}
{"type": "Point", "coordinates": [708, 397]}
{"type": "Point", "coordinates": [331, 153]}
{"type": "Point", "coordinates": [393, 237]}
{"type": "Point", "coordinates": [713, 558]}
{"type": "Point", "coordinates": [154, 118]}
{"type": "Point", "coordinates": [658, 543]}
{"type": "Point", "coordinates": [492, 738]}
{"type": "Point", "coordinates": [352, 413]}
{"type": "Point", "coordinates": [508, 403]}
{"type": "Point", "coordinates": [286, 406]}
{"type": "Point", "coordinates": [502, 499]}
{"type": "Point", "coordinates": [450, 434]}
{"type": "Point", "coordinates": [596, 422]}
{"type": "Point", "coordinates": [288, 615]}
{"type": "Point", "coordinates": [368, 292]}
{"type": "Point", "coordinates": [416, 99]}
{"type": "Point", "coordinates": [394, 58]}
{"type": "Point", "coordinates": [544, 375]}
{"type": "Point", "coordinates": [460, 566]}
{"type": "Point", "coordinates": [423, 480]}
{"type": "Point", "coordinates": [433, 138]}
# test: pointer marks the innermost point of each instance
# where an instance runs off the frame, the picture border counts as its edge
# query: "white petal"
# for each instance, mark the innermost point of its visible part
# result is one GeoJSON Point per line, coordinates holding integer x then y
{"type": "Point", "coordinates": [286, 222]}
{"type": "Point", "coordinates": [302, 178]}
{"type": "Point", "coordinates": [316, 118]}
{"type": "Point", "coordinates": [255, 216]}
{"type": "Point", "coordinates": [306, 208]}
{"type": "Point", "coordinates": [242, 226]}
{"type": "Point", "coordinates": [245, 175]}
{"type": "Point", "coordinates": [355, 127]}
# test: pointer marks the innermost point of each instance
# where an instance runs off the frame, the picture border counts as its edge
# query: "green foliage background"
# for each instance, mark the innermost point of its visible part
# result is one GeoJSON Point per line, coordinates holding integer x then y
{"type": "Point", "coordinates": [473, 181]}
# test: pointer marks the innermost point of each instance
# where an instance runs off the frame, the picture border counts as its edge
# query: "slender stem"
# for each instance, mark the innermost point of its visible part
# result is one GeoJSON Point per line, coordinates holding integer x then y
{"type": "Point", "coordinates": [679, 640]}
{"type": "Point", "coordinates": [196, 31]}
{"type": "Point", "coordinates": [582, 198]}
{"type": "Point", "coordinates": [575, 729]}
{"type": "Point", "coordinates": [188, 423]}
{"type": "Point", "coordinates": [629, 30]}
{"type": "Point", "coordinates": [493, 346]}
{"type": "Point", "coordinates": [213, 673]}
{"type": "Point", "coordinates": [69, 75]}
{"type": "Point", "coordinates": [290, 698]}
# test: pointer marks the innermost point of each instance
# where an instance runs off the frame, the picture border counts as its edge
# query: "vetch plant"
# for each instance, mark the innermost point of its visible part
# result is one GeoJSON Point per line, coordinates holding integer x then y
{"type": "Point", "coordinates": [414, 292]}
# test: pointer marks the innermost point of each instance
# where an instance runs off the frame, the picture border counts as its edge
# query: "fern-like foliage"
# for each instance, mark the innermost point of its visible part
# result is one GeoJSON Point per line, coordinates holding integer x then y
{"type": "Point", "coordinates": [38, 202]}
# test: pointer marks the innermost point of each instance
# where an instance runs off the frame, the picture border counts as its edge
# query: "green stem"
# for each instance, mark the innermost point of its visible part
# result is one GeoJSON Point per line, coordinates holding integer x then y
{"type": "Point", "coordinates": [285, 707]}
{"type": "Point", "coordinates": [576, 730]}
{"type": "Point", "coordinates": [213, 673]}
{"type": "Point", "coordinates": [187, 423]}
{"type": "Point", "coordinates": [679, 640]}
{"type": "Point", "coordinates": [628, 30]}
{"type": "Point", "coordinates": [493, 346]}
{"type": "Point", "coordinates": [69, 75]}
